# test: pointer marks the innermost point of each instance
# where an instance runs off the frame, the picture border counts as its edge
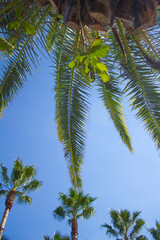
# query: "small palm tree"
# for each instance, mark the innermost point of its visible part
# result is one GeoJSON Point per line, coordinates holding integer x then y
{"type": "Point", "coordinates": [155, 232]}
{"type": "Point", "coordinates": [57, 236]}
{"type": "Point", "coordinates": [74, 206]}
{"type": "Point", "coordinates": [22, 180]}
{"type": "Point", "coordinates": [125, 225]}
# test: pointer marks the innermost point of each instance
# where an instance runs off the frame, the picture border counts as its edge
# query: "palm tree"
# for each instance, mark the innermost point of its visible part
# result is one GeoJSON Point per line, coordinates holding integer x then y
{"type": "Point", "coordinates": [125, 225]}
{"type": "Point", "coordinates": [132, 62]}
{"type": "Point", "coordinates": [73, 206]}
{"type": "Point", "coordinates": [22, 180]}
{"type": "Point", "coordinates": [155, 232]}
{"type": "Point", "coordinates": [57, 236]}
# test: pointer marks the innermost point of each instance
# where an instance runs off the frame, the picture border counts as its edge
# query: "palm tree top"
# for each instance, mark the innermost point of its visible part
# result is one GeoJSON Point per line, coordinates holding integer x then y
{"type": "Point", "coordinates": [21, 181]}
{"type": "Point", "coordinates": [74, 205]}
{"type": "Point", "coordinates": [57, 236]}
{"type": "Point", "coordinates": [125, 224]}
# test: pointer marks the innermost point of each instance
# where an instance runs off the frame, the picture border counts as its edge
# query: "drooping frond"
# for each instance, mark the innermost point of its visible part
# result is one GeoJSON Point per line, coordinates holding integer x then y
{"type": "Point", "coordinates": [110, 231]}
{"type": "Point", "coordinates": [32, 186]}
{"type": "Point", "coordinates": [4, 175]}
{"type": "Point", "coordinates": [72, 87]}
{"type": "Point", "coordinates": [18, 65]}
{"type": "Point", "coordinates": [112, 99]}
{"type": "Point", "coordinates": [139, 224]}
{"type": "Point", "coordinates": [87, 212]}
{"type": "Point", "coordinates": [142, 87]}
{"type": "Point", "coordinates": [111, 92]}
{"type": "Point", "coordinates": [59, 213]}
{"type": "Point", "coordinates": [21, 198]}
{"type": "Point", "coordinates": [3, 192]}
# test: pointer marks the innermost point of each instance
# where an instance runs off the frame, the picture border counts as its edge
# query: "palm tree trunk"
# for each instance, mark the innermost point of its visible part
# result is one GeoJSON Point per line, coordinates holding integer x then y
{"type": "Point", "coordinates": [74, 233]}
{"type": "Point", "coordinates": [3, 221]}
{"type": "Point", "coordinates": [9, 203]}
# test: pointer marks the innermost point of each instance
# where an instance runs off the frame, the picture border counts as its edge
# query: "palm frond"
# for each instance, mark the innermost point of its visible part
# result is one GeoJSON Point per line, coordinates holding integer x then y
{"type": "Point", "coordinates": [139, 224]}
{"type": "Point", "coordinates": [59, 213]}
{"type": "Point", "coordinates": [23, 198]}
{"type": "Point", "coordinates": [47, 238]}
{"type": "Point", "coordinates": [111, 92]}
{"type": "Point", "coordinates": [4, 175]}
{"type": "Point", "coordinates": [155, 232]}
{"type": "Point", "coordinates": [58, 236]}
{"type": "Point", "coordinates": [26, 174]}
{"type": "Point", "coordinates": [111, 97]}
{"type": "Point", "coordinates": [142, 237]}
{"type": "Point", "coordinates": [16, 171]}
{"type": "Point", "coordinates": [110, 231]}
{"type": "Point", "coordinates": [16, 67]}
{"type": "Point", "coordinates": [3, 192]}
{"type": "Point", "coordinates": [71, 89]}
{"type": "Point", "coordinates": [142, 88]}
{"type": "Point", "coordinates": [32, 186]}
{"type": "Point", "coordinates": [87, 212]}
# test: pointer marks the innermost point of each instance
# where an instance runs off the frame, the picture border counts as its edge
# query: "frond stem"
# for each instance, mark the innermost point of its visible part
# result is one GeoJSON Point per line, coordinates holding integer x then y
{"type": "Point", "coordinates": [70, 96]}
{"type": "Point", "coordinates": [150, 44]}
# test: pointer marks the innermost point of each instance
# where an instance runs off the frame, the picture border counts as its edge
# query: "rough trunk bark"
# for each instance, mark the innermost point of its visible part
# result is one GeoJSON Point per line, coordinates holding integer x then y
{"type": "Point", "coordinates": [74, 232]}
{"type": "Point", "coordinates": [9, 203]}
{"type": "Point", "coordinates": [3, 221]}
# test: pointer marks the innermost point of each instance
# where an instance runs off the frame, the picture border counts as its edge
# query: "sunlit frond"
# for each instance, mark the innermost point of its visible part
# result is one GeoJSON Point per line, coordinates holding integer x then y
{"type": "Point", "coordinates": [72, 87]}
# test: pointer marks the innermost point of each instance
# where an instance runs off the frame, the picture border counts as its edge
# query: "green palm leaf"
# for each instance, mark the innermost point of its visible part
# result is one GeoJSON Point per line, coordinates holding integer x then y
{"type": "Point", "coordinates": [17, 66]}
{"type": "Point", "coordinates": [3, 192]}
{"type": "Point", "coordinates": [155, 232]}
{"type": "Point", "coordinates": [125, 225]}
{"type": "Point", "coordinates": [4, 175]}
{"type": "Point", "coordinates": [72, 87]}
{"type": "Point", "coordinates": [142, 89]}
{"type": "Point", "coordinates": [21, 198]}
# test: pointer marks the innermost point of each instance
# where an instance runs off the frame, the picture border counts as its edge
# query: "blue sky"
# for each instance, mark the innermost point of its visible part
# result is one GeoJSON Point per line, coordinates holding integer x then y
{"type": "Point", "coordinates": [119, 179]}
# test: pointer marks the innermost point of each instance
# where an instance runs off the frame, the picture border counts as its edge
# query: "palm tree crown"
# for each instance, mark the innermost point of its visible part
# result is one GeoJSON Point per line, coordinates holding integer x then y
{"type": "Point", "coordinates": [57, 236]}
{"type": "Point", "coordinates": [74, 206]}
{"type": "Point", "coordinates": [22, 180]}
{"type": "Point", "coordinates": [155, 232]}
{"type": "Point", "coordinates": [125, 225]}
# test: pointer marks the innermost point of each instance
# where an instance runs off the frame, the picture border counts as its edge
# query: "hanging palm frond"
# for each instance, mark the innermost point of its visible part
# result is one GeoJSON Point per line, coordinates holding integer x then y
{"type": "Point", "coordinates": [72, 87]}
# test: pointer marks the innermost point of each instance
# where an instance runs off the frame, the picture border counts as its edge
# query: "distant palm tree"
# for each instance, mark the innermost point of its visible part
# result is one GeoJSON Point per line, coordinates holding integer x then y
{"type": "Point", "coordinates": [125, 225]}
{"type": "Point", "coordinates": [74, 206]}
{"type": "Point", "coordinates": [155, 232]}
{"type": "Point", "coordinates": [57, 236]}
{"type": "Point", "coordinates": [22, 180]}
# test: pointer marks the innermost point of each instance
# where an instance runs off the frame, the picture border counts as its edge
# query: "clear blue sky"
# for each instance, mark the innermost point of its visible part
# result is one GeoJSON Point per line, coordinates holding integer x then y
{"type": "Point", "coordinates": [119, 179]}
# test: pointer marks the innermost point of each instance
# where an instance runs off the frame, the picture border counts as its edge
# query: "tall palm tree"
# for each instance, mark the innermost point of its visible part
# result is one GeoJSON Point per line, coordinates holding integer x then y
{"type": "Point", "coordinates": [73, 206]}
{"type": "Point", "coordinates": [22, 181]}
{"type": "Point", "coordinates": [132, 62]}
{"type": "Point", "coordinates": [57, 236]}
{"type": "Point", "coordinates": [126, 226]}
{"type": "Point", "coordinates": [155, 232]}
